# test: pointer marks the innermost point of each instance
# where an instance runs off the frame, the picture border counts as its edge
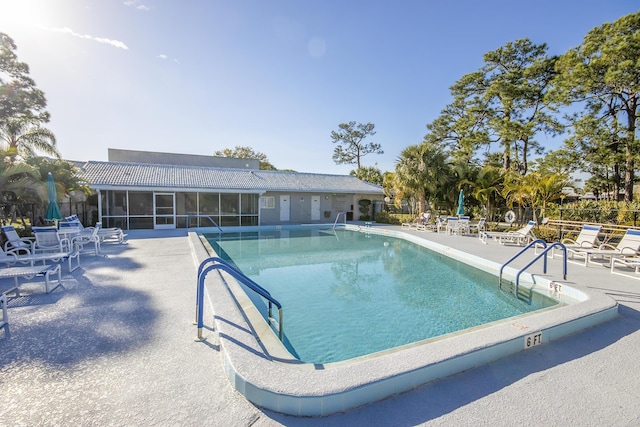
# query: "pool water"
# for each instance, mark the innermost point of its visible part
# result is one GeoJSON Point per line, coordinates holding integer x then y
{"type": "Point", "coordinates": [347, 294]}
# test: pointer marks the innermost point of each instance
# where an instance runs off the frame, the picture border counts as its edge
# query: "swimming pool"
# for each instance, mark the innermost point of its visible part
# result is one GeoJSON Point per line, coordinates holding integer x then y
{"type": "Point", "coordinates": [261, 369]}
{"type": "Point", "coordinates": [348, 294]}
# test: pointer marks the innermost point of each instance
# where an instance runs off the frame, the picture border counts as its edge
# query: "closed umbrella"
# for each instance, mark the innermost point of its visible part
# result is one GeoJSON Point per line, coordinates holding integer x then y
{"type": "Point", "coordinates": [460, 203]}
{"type": "Point", "coordinates": [53, 210]}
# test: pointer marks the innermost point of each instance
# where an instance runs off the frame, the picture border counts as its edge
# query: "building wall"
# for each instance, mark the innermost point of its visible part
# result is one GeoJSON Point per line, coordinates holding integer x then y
{"type": "Point", "coordinates": [300, 206]}
{"type": "Point", "coordinates": [152, 157]}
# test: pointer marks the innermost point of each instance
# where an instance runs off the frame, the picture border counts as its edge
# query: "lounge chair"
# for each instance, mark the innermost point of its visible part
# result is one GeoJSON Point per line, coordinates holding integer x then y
{"type": "Point", "coordinates": [114, 233]}
{"type": "Point", "coordinates": [518, 237]}
{"type": "Point", "coordinates": [587, 239]}
{"type": "Point", "coordinates": [626, 262]}
{"type": "Point", "coordinates": [478, 227]}
{"type": "Point", "coordinates": [24, 256]}
{"type": "Point", "coordinates": [413, 224]}
{"type": "Point", "coordinates": [89, 236]}
{"type": "Point", "coordinates": [47, 239]}
{"type": "Point", "coordinates": [14, 241]}
{"type": "Point", "coordinates": [452, 225]}
{"type": "Point", "coordinates": [628, 246]}
{"type": "Point", "coordinates": [5, 314]}
{"type": "Point", "coordinates": [29, 272]}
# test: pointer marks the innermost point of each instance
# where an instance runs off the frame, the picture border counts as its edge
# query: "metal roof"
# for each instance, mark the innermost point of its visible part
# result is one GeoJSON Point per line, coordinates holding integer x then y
{"type": "Point", "coordinates": [110, 175]}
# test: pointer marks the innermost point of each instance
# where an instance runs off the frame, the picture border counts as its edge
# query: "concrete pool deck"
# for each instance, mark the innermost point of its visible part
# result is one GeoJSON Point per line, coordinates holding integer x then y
{"type": "Point", "coordinates": [114, 346]}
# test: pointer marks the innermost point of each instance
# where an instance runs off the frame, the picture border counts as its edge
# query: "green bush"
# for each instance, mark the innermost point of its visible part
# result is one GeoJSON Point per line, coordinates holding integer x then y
{"type": "Point", "coordinates": [397, 219]}
{"type": "Point", "coordinates": [548, 234]}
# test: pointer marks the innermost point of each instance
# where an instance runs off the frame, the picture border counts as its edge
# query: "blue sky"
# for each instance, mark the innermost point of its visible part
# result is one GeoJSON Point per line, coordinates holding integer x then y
{"type": "Point", "coordinates": [196, 76]}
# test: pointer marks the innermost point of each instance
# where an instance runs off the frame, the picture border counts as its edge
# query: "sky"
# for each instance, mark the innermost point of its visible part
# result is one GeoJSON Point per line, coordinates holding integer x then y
{"type": "Point", "coordinates": [198, 76]}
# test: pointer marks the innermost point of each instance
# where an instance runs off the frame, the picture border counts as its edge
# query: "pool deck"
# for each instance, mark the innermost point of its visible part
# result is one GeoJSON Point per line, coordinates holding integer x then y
{"type": "Point", "coordinates": [115, 346]}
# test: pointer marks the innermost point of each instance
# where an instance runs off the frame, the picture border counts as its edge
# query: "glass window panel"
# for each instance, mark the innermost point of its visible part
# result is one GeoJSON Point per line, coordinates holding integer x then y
{"type": "Point", "coordinates": [140, 203]}
{"type": "Point", "coordinates": [249, 204]}
{"type": "Point", "coordinates": [186, 203]}
{"type": "Point", "coordinates": [229, 204]}
{"type": "Point", "coordinates": [209, 204]}
{"type": "Point", "coordinates": [115, 203]}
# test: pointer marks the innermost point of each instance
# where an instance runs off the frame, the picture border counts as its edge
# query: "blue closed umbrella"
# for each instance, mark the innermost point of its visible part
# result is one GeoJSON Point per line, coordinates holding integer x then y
{"type": "Point", "coordinates": [53, 210]}
{"type": "Point", "coordinates": [460, 203]}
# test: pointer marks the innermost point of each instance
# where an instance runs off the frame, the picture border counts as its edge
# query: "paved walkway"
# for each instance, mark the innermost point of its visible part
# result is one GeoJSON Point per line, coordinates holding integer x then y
{"type": "Point", "coordinates": [114, 346]}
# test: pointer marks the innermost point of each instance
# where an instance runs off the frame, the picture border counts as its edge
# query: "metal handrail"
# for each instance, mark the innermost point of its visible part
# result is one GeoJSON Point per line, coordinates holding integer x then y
{"type": "Point", "coordinates": [215, 263]}
{"type": "Point", "coordinates": [338, 216]}
{"type": "Point", "coordinates": [204, 216]}
{"type": "Point", "coordinates": [529, 246]}
{"type": "Point", "coordinates": [544, 252]}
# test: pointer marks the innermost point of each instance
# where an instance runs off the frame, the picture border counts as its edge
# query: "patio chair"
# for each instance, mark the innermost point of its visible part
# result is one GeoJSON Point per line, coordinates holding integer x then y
{"type": "Point", "coordinates": [30, 272]}
{"type": "Point", "coordinates": [24, 256]}
{"type": "Point", "coordinates": [519, 237]}
{"type": "Point", "coordinates": [47, 239]}
{"type": "Point", "coordinates": [628, 247]}
{"type": "Point", "coordinates": [452, 225]}
{"type": "Point", "coordinates": [112, 233]}
{"type": "Point", "coordinates": [89, 236]}
{"type": "Point", "coordinates": [478, 227]}
{"type": "Point", "coordinates": [14, 241]}
{"type": "Point", "coordinates": [587, 239]}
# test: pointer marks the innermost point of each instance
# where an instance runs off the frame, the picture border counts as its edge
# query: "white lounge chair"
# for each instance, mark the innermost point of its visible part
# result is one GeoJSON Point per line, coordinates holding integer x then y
{"type": "Point", "coordinates": [113, 233]}
{"type": "Point", "coordinates": [518, 237]}
{"type": "Point", "coordinates": [628, 246]}
{"type": "Point", "coordinates": [587, 239]}
{"type": "Point", "coordinates": [14, 241]}
{"type": "Point", "coordinates": [89, 236]}
{"type": "Point", "coordinates": [478, 227]}
{"type": "Point", "coordinates": [47, 239]}
{"type": "Point", "coordinates": [29, 272]}
{"type": "Point", "coordinates": [24, 256]}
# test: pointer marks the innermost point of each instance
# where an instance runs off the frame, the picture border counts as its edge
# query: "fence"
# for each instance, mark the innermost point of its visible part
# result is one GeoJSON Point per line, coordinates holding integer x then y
{"type": "Point", "coordinates": [33, 214]}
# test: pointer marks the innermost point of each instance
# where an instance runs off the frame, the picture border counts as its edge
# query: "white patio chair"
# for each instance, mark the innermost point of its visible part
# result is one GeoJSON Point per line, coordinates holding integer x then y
{"type": "Point", "coordinates": [112, 233]}
{"type": "Point", "coordinates": [47, 239]}
{"type": "Point", "coordinates": [628, 247]}
{"type": "Point", "coordinates": [29, 272]}
{"type": "Point", "coordinates": [24, 256]}
{"type": "Point", "coordinates": [519, 237]}
{"type": "Point", "coordinates": [14, 241]}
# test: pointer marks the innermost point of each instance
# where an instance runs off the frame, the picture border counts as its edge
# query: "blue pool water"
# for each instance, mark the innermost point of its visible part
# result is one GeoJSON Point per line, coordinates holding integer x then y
{"type": "Point", "coordinates": [347, 294]}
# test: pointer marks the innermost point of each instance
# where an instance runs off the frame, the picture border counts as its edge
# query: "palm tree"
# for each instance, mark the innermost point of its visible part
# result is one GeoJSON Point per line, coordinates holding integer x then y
{"type": "Point", "coordinates": [23, 138]}
{"type": "Point", "coordinates": [486, 185]}
{"type": "Point", "coordinates": [421, 170]}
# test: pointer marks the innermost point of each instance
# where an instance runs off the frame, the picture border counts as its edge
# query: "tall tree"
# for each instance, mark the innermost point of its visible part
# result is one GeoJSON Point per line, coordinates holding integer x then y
{"type": "Point", "coordinates": [243, 152]}
{"type": "Point", "coordinates": [602, 73]}
{"type": "Point", "coordinates": [351, 143]}
{"type": "Point", "coordinates": [23, 138]}
{"type": "Point", "coordinates": [511, 88]}
{"type": "Point", "coordinates": [422, 173]}
{"type": "Point", "coordinates": [370, 174]}
{"type": "Point", "coordinates": [19, 97]}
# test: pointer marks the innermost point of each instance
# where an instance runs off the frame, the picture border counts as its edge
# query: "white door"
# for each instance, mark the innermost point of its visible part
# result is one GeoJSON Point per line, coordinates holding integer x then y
{"type": "Point", "coordinates": [285, 208]}
{"type": "Point", "coordinates": [165, 211]}
{"type": "Point", "coordinates": [315, 208]}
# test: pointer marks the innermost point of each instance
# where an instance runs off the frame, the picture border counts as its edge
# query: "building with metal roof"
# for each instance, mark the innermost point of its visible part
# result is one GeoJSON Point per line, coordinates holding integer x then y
{"type": "Point", "coordinates": [165, 190]}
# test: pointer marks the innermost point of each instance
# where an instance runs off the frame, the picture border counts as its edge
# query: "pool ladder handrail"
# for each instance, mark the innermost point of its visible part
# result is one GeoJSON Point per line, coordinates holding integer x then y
{"type": "Point", "coordinates": [337, 217]}
{"type": "Point", "coordinates": [215, 263]}
{"type": "Point", "coordinates": [544, 253]}
{"type": "Point", "coordinates": [215, 224]}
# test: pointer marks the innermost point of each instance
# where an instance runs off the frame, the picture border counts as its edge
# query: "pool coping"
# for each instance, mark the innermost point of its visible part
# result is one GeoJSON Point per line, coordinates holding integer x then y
{"type": "Point", "coordinates": [260, 369]}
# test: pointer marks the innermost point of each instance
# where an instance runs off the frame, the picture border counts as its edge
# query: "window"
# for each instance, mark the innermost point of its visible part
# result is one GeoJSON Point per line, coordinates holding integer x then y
{"type": "Point", "coordinates": [267, 202]}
